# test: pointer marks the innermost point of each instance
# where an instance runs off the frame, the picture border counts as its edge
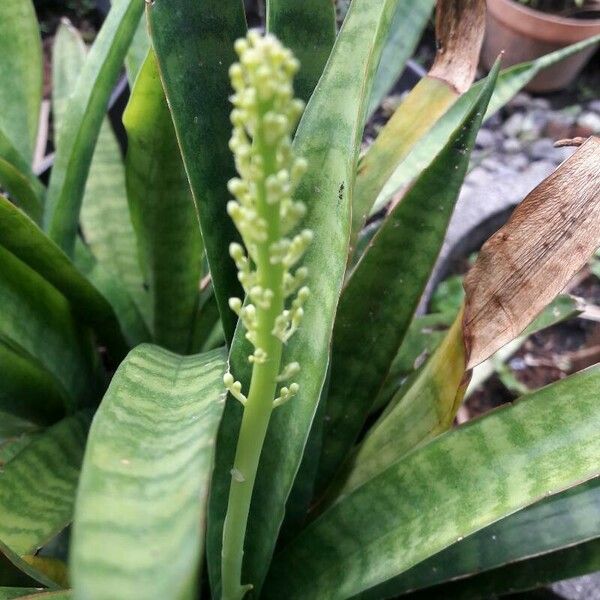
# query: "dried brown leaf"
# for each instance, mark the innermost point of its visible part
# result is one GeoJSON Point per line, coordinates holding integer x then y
{"type": "Point", "coordinates": [520, 269]}
{"type": "Point", "coordinates": [460, 25]}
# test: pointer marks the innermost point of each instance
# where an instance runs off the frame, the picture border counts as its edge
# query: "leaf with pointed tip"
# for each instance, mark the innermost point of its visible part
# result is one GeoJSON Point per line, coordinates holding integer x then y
{"type": "Point", "coordinates": [197, 91]}
{"type": "Point", "coordinates": [385, 288]}
{"type": "Point", "coordinates": [105, 219]}
{"type": "Point", "coordinates": [155, 431]}
{"type": "Point", "coordinates": [328, 136]}
{"type": "Point", "coordinates": [459, 31]}
{"type": "Point", "coordinates": [510, 81]}
{"type": "Point", "coordinates": [410, 19]}
{"type": "Point", "coordinates": [86, 109]}
{"type": "Point", "coordinates": [37, 487]}
{"type": "Point", "coordinates": [162, 207]}
{"type": "Point", "coordinates": [452, 487]}
{"type": "Point", "coordinates": [20, 74]}
{"type": "Point", "coordinates": [296, 22]}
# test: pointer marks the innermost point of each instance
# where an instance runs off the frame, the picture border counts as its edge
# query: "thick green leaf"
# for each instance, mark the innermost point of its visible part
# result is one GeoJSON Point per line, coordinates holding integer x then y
{"type": "Point", "coordinates": [37, 487]}
{"type": "Point", "coordinates": [86, 109]}
{"type": "Point", "coordinates": [138, 530]}
{"type": "Point", "coordinates": [37, 322]}
{"type": "Point", "coordinates": [386, 286]}
{"type": "Point", "coordinates": [410, 19]}
{"type": "Point", "coordinates": [29, 390]}
{"type": "Point", "coordinates": [105, 220]}
{"type": "Point", "coordinates": [452, 487]}
{"type": "Point", "coordinates": [194, 46]}
{"type": "Point", "coordinates": [17, 178]}
{"type": "Point", "coordinates": [23, 238]}
{"type": "Point", "coordinates": [522, 576]}
{"type": "Point", "coordinates": [10, 447]}
{"type": "Point", "coordinates": [137, 51]}
{"type": "Point", "coordinates": [162, 208]}
{"type": "Point", "coordinates": [328, 136]}
{"type": "Point", "coordinates": [308, 29]}
{"type": "Point", "coordinates": [510, 81]}
{"type": "Point", "coordinates": [20, 74]}
{"type": "Point", "coordinates": [21, 190]}
{"type": "Point", "coordinates": [561, 521]}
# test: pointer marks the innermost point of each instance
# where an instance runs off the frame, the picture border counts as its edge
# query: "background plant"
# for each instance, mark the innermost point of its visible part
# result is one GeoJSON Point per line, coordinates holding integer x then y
{"type": "Point", "coordinates": [106, 268]}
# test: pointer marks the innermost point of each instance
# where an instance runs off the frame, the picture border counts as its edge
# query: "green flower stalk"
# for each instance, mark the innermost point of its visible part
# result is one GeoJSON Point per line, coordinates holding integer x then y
{"type": "Point", "coordinates": [264, 116]}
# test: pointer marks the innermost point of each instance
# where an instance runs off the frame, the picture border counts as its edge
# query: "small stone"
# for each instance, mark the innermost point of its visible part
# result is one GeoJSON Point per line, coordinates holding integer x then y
{"type": "Point", "coordinates": [516, 162]}
{"type": "Point", "coordinates": [594, 106]}
{"type": "Point", "coordinates": [520, 101]}
{"type": "Point", "coordinates": [541, 103]}
{"type": "Point", "coordinates": [489, 164]}
{"type": "Point", "coordinates": [511, 146]}
{"type": "Point", "coordinates": [541, 149]}
{"type": "Point", "coordinates": [485, 139]}
{"type": "Point", "coordinates": [559, 126]}
{"type": "Point", "coordinates": [587, 124]}
{"type": "Point", "coordinates": [512, 126]}
{"type": "Point", "coordinates": [533, 124]}
{"type": "Point", "coordinates": [494, 121]}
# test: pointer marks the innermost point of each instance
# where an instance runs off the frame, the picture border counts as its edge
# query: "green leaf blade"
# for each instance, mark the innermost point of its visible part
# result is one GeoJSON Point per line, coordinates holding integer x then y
{"type": "Point", "coordinates": [20, 75]}
{"type": "Point", "coordinates": [478, 473]}
{"type": "Point", "coordinates": [86, 111]}
{"type": "Point", "coordinates": [37, 487]}
{"type": "Point", "coordinates": [154, 431]}
{"type": "Point", "coordinates": [163, 212]}
{"type": "Point", "coordinates": [296, 22]}
{"type": "Point", "coordinates": [198, 92]}
{"type": "Point", "coordinates": [386, 286]}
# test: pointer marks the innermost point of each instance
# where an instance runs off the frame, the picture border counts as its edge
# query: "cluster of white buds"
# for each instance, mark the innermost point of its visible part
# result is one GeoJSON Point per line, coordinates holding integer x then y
{"type": "Point", "coordinates": [264, 116]}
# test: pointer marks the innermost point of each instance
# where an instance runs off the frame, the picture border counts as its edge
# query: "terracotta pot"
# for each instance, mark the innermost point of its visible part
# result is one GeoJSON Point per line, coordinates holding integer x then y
{"type": "Point", "coordinates": [524, 34]}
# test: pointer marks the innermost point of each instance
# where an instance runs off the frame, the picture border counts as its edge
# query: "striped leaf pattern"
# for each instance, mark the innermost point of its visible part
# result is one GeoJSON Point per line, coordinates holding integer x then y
{"type": "Point", "coordinates": [138, 529]}
{"type": "Point", "coordinates": [328, 136]}
{"type": "Point", "coordinates": [37, 487]}
{"type": "Point", "coordinates": [450, 488]}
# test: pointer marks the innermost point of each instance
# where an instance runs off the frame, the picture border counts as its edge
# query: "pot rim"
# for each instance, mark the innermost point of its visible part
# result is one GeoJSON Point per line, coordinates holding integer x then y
{"type": "Point", "coordinates": [542, 26]}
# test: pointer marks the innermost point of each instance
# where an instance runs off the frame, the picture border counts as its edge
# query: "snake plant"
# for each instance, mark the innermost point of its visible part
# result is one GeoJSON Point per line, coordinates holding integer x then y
{"type": "Point", "coordinates": [213, 379]}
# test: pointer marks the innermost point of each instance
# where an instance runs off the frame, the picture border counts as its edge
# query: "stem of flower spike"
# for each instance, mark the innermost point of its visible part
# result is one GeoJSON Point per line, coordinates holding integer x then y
{"type": "Point", "coordinates": [263, 119]}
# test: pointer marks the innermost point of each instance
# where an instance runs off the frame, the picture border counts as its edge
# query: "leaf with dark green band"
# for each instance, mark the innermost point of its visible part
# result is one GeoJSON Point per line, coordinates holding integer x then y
{"type": "Point", "coordinates": [20, 74]}
{"type": "Point", "coordinates": [162, 208]}
{"type": "Point", "coordinates": [145, 478]}
{"type": "Point", "coordinates": [328, 136]}
{"type": "Point", "coordinates": [29, 390]}
{"type": "Point", "coordinates": [37, 487]}
{"type": "Point", "coordinates": [410, 19]}
{"type": "Point", "coordinates": [105, 219]}
{"type": "Point", "coordinates": [386, 286]}
{"type": "Point", "coordinates": [510, 81]}
{"type": "Point", "coordinates": [37, 322]}
{"type": "Point", "coordinates": [194, 46]}
{"type": "Point", "coordinates": [295, 23]}
{"type": "Point", "coordinates": [563, 520]}
{"type": "Point", "coordinates": [454, 486]}
{"type": "Point", "coordinates": [525, 575]}
{"type": "Point", "coordinates": [23, 238]}
{"type": "Point", "coordinates": [86, 110]}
